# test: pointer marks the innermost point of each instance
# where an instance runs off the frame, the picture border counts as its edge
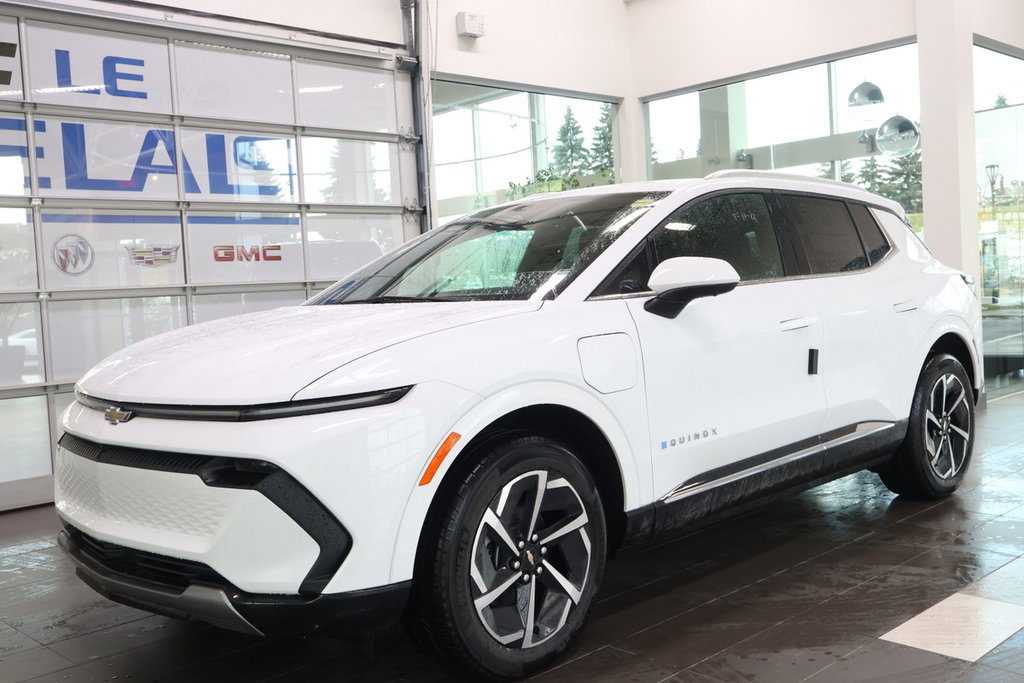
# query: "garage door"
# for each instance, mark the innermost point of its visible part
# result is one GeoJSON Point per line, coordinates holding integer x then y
{"type": "Point", "coordinates": [152, 178]}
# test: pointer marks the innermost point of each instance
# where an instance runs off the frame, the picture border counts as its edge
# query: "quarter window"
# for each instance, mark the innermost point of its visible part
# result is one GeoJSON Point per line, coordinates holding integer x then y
{"type": "Point", "coordinates": [828, 234]}
{"type": "Point", "coordinates": [874, 241]}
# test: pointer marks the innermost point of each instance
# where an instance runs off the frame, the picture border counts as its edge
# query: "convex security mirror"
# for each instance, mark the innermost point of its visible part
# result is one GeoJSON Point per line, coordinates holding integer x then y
{"type": "Point", "coordinates": [678, 281]}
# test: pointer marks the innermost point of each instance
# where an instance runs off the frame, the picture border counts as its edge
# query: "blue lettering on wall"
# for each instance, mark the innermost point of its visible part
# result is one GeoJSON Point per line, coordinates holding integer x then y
{"type": "Point", "coordinates": [76, 169]}
{"type": "Point", "coordinates": [144, 164]}
{"type": "Point", "coordinates": [111, 76]}
{"type": "Point", "coordinates": [22, 150]}
{"type": "Point", "coordinates": [64, 80]}
{"type": "Point", "coordinates": [217, 163]}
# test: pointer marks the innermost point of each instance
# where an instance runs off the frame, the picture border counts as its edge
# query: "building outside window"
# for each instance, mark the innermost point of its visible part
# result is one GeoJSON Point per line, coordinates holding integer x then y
{"type": "Point", "coordinates": [999, 131]}
{"type": "Point", "coordinates": [494, 144]}
{"type": "Point", "coordinates": [833, 120]}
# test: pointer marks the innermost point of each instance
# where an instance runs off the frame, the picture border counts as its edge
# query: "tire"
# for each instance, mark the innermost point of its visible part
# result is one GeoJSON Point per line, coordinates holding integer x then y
{"type": "Point", "coordinates": [506, 577]}
{"type": "Point", "coordinates": [937, 450]}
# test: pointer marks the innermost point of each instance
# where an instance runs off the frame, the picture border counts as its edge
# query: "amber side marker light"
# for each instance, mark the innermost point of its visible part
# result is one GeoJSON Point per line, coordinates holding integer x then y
{"type": "Point", "coordinates": [439, 457]}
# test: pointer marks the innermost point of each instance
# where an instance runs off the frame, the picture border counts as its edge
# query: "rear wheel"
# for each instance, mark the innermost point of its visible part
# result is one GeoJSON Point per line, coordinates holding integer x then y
{"type": "Point", "coordinates": [517, 559]}
{"type": "Point", "coordinates": [940, 438]}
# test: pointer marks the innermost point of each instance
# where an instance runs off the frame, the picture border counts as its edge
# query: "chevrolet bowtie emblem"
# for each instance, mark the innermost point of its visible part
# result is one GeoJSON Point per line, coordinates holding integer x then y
{"type": "Point", "coordinates": [115, 415]}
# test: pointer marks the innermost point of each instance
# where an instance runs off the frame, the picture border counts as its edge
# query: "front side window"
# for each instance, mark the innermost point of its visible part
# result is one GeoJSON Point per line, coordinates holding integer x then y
{"type": "Point", "coordinates": [736, 228]}
{"type": "Point", "coordinates": [532, 249]}
{"type": "Point", "coordinates": [828, 234]}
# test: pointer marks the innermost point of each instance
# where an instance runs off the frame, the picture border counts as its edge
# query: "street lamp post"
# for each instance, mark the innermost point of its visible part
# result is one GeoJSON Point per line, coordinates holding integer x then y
{"type": "Point", "coordinates": [992, 171]}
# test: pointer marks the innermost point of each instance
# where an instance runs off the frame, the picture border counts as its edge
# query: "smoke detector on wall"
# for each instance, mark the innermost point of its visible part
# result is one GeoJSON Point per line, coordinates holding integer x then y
{"type": "Point", "coordinates": [469, 25]}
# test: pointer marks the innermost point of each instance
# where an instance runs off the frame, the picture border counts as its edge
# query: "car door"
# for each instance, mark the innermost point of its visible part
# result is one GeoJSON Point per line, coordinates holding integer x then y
{"type": "Point", "coordinates": [729, 387]}
{"type": "Point", "coordinates": [870, 309]}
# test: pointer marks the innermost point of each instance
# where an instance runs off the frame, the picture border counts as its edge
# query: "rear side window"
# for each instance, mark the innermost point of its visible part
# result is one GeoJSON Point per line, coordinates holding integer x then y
{"type": "Point", "coordinates": [874, 241]}
{"type": "Point", "coordinates": [828, 234]}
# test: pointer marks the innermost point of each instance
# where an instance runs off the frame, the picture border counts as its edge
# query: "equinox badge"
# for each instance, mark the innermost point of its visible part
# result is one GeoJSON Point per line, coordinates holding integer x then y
{"type": "Point", "coordinates": [115, 415]}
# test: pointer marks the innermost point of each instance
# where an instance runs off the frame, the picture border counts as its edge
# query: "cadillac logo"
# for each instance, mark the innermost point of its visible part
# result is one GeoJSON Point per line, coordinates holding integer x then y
{"type": "Point", "coordinates": [115, 415]}
{"type": "Point", "coordinates": [152, 256]}
{"type": "Point", "coordinates": [72, 254]}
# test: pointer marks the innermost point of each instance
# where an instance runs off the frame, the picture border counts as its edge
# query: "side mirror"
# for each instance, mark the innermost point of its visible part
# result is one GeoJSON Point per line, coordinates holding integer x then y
{"type": "Point", "coordinates": [678, 281]}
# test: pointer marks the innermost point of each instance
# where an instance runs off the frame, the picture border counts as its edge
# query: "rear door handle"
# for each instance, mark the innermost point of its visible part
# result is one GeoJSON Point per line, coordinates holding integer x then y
{"type": "Point", "coordinates": [795, 324]}
{"type": "Point", "coordinates": [905, 306]}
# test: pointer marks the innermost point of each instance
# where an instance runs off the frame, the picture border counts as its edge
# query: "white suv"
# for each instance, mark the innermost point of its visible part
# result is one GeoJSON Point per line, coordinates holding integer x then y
{"type": "Point", "coordinates": [462, 431]}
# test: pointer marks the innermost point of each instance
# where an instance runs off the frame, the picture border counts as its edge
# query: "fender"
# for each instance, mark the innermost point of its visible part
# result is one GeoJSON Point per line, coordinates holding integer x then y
{"type": "Point", "coordinates": [637, 488]}
{"type": "Point", "coordinates": [948, 325]}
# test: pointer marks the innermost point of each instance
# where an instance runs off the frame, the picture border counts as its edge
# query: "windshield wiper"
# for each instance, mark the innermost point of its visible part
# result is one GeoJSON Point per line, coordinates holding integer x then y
{"type": "Point", "coordinates": [387, 299]}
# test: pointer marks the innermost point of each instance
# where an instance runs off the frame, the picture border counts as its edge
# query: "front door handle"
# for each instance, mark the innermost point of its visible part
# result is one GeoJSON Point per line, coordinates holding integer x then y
{"type": "Point", "coordinates": [795, 324]}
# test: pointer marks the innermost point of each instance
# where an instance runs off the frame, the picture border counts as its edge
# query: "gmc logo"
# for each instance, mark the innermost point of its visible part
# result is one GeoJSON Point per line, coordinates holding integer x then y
{"type": "Point", "coordinates": [239, 253]}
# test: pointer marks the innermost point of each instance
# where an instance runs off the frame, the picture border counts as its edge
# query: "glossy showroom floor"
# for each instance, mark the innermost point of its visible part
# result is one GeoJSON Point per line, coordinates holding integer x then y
{"type": "Point", "coordinates": [843, 583]}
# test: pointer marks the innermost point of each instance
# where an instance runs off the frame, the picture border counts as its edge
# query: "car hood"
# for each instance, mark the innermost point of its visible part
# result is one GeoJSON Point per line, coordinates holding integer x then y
{"type": "Point", "coordinates": [267, 357]}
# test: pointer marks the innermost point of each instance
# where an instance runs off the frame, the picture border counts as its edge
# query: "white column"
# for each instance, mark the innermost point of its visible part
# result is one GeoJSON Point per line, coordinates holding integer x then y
{"type": "Point", "coordinates": [945, 40]}
{"type": "Point", "coordinates": [630, 152]}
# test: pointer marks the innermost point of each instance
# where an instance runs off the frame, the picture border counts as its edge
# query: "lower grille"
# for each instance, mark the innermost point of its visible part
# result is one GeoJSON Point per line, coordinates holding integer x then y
{"type": "Point", "coordinates": [142, 565]}
{"type": "Point", "coordinates": [272, 482]}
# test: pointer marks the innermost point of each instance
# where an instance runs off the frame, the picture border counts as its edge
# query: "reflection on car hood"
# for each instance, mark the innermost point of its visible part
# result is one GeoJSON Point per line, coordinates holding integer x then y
{"type": "Point", "coordinates": [269, 356]}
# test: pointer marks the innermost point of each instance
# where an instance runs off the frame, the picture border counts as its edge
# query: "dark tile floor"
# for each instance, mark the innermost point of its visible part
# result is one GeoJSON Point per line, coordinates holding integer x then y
{"type": "Point", "coordinates": [800, 590]}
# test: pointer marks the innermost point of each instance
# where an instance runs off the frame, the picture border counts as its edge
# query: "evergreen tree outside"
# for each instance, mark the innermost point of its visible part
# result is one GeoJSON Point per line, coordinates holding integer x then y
{"type": "Point", "coordinates": [1001, 102]}
{"type": "Point", "coordinates": [846, 174]}
{"type": "Point", "coordinates": [902, 182]}
{"type": "Point", "coordinates": [870, 175]}
{"type": "Point", "coordinates": [602, 153]}
{"type": "Point", "coordinates": [570, 153]}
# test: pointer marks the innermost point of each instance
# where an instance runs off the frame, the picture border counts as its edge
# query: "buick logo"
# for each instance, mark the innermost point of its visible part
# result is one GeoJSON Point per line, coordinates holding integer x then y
{"type": "Point", "coordinates": [115, 415]}
{"type": "Point", "coordinates": [72, 254]}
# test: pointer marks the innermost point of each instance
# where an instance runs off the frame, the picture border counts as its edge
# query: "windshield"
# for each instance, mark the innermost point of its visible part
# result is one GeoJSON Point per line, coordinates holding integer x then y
{"type": "Point", "coordinates": [528, 250]}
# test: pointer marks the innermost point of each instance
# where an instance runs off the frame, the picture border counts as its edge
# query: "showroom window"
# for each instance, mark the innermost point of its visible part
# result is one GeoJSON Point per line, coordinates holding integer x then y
{"type": "Point", "coordinates": [999, 141]}
{"type": "Point", "coordinates": [494, 144]}
{"type": "Point", "coordinates": [852, 119]}
{"type": "Point", "coordinates": [151, 179]}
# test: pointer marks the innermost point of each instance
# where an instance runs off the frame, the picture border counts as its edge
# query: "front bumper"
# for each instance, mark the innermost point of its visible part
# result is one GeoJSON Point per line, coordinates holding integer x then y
{"type": "Point", "coordinates": [197, 593]}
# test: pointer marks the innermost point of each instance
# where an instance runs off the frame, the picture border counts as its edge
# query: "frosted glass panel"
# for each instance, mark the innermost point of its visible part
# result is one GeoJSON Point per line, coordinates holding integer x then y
{"type": "Point", "coordinates": [346, 97]}
{"type": "Point", "coordinates": [340, 244]}
{"type": "Point", "coordinates": [234, 84]}
{"type": "Point", "coordinates": [21, 351]}
{"type": "Point", "coordinates": [26, 445]}
{"type": "Point", "coordinates": [213, 306]}
{"type": "Point", "coordinates": [85, 332]}
{"type": "Point", "coordinates": [17, 250]}
{"type": "Point", "coordinates": [350, 171]}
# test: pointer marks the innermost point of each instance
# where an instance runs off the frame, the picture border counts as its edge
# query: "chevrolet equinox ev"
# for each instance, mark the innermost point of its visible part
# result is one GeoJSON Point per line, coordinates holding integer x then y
{"type": "Point", "coordinates": [459, 433]}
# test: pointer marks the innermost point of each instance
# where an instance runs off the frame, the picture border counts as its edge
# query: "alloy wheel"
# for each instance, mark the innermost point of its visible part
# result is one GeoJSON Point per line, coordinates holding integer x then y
{"type": "Point", "coordinates": [947, 426]}
{"type": "Point", "coordinates": [531, 559]}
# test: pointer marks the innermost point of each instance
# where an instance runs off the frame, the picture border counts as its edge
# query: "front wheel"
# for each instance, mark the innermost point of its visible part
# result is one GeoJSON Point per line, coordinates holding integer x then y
{"type": "Point", "coordinates": [940, 438]}
{"type": "Point", "coordinates": [518, 556]}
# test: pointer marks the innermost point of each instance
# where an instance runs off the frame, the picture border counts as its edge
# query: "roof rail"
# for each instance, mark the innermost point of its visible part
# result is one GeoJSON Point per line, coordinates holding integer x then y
{"type": "Point", "coordinates": [750, 173]}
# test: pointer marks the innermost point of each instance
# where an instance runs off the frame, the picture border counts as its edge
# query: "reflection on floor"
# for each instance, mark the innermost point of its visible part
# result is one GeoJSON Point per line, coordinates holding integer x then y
{"type": "Point", "coordinates": [842, 583]}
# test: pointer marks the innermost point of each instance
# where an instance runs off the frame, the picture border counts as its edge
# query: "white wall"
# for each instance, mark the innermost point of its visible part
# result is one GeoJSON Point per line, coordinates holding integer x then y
{"type": "Point", "coordinates": [682, 43]}
{"type": "Point", "coordinates": [574, 45]}
{"type": "Point", "coordinates": [1001, 20]}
